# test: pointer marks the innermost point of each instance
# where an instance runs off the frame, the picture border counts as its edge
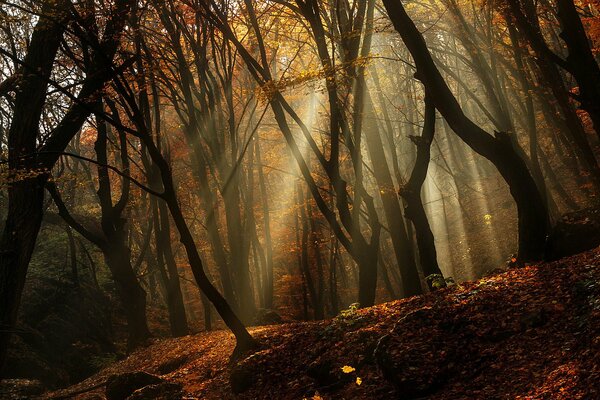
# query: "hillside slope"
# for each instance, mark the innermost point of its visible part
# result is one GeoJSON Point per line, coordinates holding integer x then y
{"type": "Point", "coordinates": [531, 333]}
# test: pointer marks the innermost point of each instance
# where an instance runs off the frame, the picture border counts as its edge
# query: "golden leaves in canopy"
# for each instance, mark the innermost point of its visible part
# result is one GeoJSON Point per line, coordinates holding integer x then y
{"type": "Point", "coordinates": [12, 176]}
{"type": "Point", "coordinates": [340, 71]}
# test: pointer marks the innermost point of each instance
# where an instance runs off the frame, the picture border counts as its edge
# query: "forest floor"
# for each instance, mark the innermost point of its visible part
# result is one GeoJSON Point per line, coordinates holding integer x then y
{"type": "Point", "coordinates": [528, 333]}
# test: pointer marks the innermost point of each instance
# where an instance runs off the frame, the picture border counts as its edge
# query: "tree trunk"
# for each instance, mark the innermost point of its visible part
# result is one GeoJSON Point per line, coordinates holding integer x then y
{"type": "Point", "coordinates": [25, 205]}
{"type": "Point", "coordinates": [411, 284]}
{"type": "Point", "coordinates": [177, 316]}
{"type": "Point", "coordinates": [72, 256]}
{"type": "Point", "coordinates": [131, 293]}
{"type": "Point", "coordinates": [522, 15]}
{"type": "Point", "coordinates": [532, 212]}
{"type": "Point", "coordinates": [26, 194]}
{"type": "Point", "coordinates": [305, 261]}
{"type": "Point", "coordinates": [268, 271]}
{"type": "Point", "coordinates": [244, 341]}
{"type": "Point", "coordinates": [581, 59]}
{"type": "Point", "coordinates": [414, 210]}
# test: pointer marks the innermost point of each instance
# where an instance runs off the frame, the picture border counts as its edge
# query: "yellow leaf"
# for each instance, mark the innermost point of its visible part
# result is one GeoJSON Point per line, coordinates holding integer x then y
{"type": "Point", "coordinates": [358, 381]}
{"type": "Point", "coordinates": [487, 218]}
{"type": "Point", "coordinates": [347, 369]}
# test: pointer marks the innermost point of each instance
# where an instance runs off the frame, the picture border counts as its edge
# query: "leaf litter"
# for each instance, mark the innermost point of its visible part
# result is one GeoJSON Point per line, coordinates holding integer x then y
{"type": "Point", "coordinates": [528, 333]}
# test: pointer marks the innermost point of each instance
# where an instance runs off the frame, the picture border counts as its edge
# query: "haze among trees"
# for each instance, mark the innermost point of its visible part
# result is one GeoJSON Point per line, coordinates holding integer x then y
{"type": "Point", "coordinates": [174, 166]}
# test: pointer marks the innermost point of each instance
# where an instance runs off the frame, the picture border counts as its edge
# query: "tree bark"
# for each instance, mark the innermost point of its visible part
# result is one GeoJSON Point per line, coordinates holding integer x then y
{"type": "Point", "coordinates": [244, 341]}
{"type": "Point", "coordinates": [177, 316]}
{"type": "Point", "coordinates": [532, 212]}
{"type": "Point", "coordinates": [26, 194]}
{"type": "Point", "coordinates": [411, 284]}
{"type": "Point", "coordinates": [414, 210]}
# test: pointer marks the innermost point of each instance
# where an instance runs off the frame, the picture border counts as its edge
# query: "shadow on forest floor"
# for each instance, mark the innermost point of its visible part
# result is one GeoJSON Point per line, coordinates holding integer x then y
{"type": "Point", "coordinates": [532, 332]}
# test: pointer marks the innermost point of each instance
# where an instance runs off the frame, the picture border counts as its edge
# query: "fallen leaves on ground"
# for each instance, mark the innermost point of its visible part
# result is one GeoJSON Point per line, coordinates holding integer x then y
{"type": "Point", "coordinates": [530, 333]}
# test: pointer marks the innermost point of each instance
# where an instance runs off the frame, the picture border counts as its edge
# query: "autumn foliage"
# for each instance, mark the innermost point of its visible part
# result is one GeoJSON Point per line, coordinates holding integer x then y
{"type": "Point", "coordinates": [530, 333]}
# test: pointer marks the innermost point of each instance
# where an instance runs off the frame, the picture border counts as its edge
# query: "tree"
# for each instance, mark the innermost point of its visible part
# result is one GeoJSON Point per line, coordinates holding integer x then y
{"type": "Point", "coordinates": [531, 208]}
{"type": "Point", "coordinates": [411, 192]}
{"type": "Point", "coordinates": [113, 239]}
{"type": "Point", "coordinates": [244, 341]}
{"type": "Point", "coordinates": [26, 194]}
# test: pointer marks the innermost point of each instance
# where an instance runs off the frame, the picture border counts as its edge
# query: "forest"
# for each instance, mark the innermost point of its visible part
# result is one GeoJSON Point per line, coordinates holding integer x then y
{"type": "Point", "coordinates": [299, 199]}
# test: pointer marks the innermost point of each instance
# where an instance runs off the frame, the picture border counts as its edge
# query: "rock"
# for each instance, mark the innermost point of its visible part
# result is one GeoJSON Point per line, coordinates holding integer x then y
{"type": "Point", "coordinates": [159, 391]}
{"type": "Point", "coordinates": [265, 316]}
{"type": "Point", "coordinates": [120, 387]}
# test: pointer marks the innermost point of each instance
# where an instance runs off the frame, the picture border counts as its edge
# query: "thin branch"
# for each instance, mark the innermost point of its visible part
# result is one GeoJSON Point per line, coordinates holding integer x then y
{"type": "Point", "coordinates": [110, 167]}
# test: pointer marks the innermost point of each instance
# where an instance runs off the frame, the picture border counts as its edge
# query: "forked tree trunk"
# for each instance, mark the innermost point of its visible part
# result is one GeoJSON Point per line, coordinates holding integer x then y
{"type": "Point", "coordinates": [411, 284]}
{"type": "Point", "coordinates": [25, 196]}
{"type": "Point", "coordinates": [532, 212]}
{"type": "Point", "coordinates": [244, 341]}
{"type": "Point", "coordinates": [584, 66]}
{"type": "Point", "coordinates": [414, 210]}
